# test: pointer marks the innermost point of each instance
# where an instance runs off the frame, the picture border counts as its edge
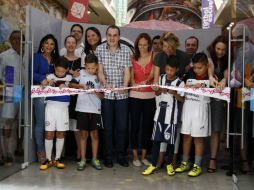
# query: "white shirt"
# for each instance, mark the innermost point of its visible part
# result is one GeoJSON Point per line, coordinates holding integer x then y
{"type": "Point", "coordinates": [79, 52]}
{"type": "Point", "coordinates": [10, 58]}
{"type": "Point", "coordinates": [170, 100]}
{"type": "Point", "coordinates": [194, 97]}
{"type": "Point", "coordinates": [88, 102]}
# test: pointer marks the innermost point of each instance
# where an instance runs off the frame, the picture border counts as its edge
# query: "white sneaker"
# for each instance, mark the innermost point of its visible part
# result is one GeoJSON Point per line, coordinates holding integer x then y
{"type": "Point", "coordinates": [137, 163]}
{"type": "Point", "coordinates": [146, 162]}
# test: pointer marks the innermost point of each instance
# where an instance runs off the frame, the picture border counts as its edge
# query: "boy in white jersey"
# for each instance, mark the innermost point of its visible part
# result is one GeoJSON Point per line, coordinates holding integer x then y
{"type": "Point", "coordinates": [195, 115]}
{"type": "Point", "coordinates": [165, 119]}
{"type": "Point", "coordinates": [88, 109]}
{"type": "Point", "coordinates": [56, 115]}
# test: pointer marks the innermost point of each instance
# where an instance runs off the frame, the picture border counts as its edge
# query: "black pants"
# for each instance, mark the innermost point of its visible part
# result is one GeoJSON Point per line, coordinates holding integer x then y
{"type": "Point", "coordinates": [141, 110]}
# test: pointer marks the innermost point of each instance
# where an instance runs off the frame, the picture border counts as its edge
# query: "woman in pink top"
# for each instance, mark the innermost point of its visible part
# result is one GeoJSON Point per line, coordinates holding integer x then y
{"type": "Point", "coordinates": [142, 100]}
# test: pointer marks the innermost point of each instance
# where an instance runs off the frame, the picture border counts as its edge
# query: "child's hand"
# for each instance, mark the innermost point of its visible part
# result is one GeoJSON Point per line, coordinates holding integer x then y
{"type": "Point", "coordinates": [173, 92]}
{"type": "Point", "coordinates": [75, 73]}
{"type": "Point", "coordinates": [83, 86]}
{"type": "Point", "coordinates": [62, 86]}
{"type": "Point", "coordinates": [51, 83]}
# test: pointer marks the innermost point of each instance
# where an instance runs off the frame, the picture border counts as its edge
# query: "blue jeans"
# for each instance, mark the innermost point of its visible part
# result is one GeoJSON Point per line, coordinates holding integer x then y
{"type": "Point", "coordinates": [39, 130]}
{"type": "Point", "coordinates": [115, 117]}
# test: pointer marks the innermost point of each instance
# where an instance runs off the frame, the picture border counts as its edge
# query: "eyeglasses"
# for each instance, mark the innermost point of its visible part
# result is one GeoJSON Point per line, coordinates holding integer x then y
{"type": "Point", "coordinates": [76, 31]}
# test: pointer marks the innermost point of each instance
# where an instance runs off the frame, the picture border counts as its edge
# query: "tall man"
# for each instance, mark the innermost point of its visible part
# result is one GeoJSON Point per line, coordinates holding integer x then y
{"type": "Point", "coordinates": [114, 71]}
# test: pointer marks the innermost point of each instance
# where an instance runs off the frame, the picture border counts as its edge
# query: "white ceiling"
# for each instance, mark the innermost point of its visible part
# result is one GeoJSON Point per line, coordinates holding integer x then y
{"type": "Point", "coordinates": [98, 15]}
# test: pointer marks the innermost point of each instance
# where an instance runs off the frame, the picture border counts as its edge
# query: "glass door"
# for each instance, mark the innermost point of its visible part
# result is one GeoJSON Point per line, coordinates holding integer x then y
{"type": "Point", "coordinates": [12, 106]}
{"type": "Point", "coordinates": [240, 129]}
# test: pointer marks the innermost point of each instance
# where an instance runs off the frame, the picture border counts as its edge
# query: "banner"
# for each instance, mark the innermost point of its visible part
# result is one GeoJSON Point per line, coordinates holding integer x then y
{"type": "Point", "coordinates": [207, 13]}
{"type": "Point", "coordinates": [38, 91]}
{"type": "Point", "coordinates": [78, 11]}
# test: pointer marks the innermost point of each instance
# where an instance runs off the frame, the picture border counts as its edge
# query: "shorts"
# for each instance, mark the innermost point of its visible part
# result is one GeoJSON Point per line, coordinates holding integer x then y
{"type": "Point", "coordinates": [164, 132]}
{"type": "Point", "coordinates": [10, 110]}
{"type": "Point", "coordinates": [56, 116]}
{"type": "Point", "coordinates": [196, 119]}
{"type": "Point", "coordinates": [73, 124]}
{"type": "Point", "coordinates": [88, 121]}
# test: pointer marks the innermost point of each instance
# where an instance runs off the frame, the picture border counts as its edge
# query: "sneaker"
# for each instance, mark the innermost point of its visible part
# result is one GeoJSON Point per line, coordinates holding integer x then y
{"type": "Point", "coordinates": [96, 164]}
{"type": "Point", "coordinates": [170, 170]}
{"type": "Point", "coordinates": [183, 167]}
{"type": "Point", "coordinates": [59, 164]}
{"type": "Point", "coordinates": [195, 171]}
{"type": "Point", "coordinates": [149, 170]}
{"type": "Point", "coordinates": [146, 162]}
{"type": "Point", "coordinates": [81, 165]}
{"type": "Point", "coordinates": [137, 163]}
{"type": "Point", "coordinates": [46, 165]}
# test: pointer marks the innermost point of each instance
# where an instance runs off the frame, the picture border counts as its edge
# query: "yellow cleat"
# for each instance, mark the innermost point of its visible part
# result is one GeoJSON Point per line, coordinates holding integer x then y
{"type": "Point", "coordinates": [149, 170]}
{"type": "Point", "coordinates": [46, 165]}
{"type": "Point", "coordinates": [183, 167]}
{"type": "Point", "coordinates": [58, 164]}
{"type": "Point", "coordinates": [170, 170]}
{"type": "Point", "coordinates": [195, 171]}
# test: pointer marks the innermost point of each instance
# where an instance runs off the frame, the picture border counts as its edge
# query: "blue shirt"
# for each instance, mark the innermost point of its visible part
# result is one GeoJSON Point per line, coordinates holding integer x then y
{"type": "Point", "coordinates": [41, 68]}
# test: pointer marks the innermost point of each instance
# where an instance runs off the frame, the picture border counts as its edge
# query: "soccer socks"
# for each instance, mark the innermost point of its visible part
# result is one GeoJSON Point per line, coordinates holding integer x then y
{"type": "Point", "coordinates": [198, 160]}
{"type": "Point", "coordinates": [59, 147]}
{"type": "Point", "coordinates": [48, 148]}
{"type": "Point", "coordinates": [186, 158]}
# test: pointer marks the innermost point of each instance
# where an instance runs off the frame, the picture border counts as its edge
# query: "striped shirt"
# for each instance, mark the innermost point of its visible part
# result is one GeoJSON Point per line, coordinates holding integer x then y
{"type": "Point", "coordinates": [114, 65]}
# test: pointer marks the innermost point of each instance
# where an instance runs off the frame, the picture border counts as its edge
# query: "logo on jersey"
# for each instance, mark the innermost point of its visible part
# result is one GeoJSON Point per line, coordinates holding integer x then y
{"type": "Point", "coordinates": [90, 84]}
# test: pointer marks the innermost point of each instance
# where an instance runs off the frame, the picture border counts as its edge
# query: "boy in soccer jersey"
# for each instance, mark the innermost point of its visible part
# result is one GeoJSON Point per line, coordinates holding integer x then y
{"type": "Point", "coordinates": [56, 115]}
{"type": "Point", "coordinates": [88, 109]}
{"type": "Point", "coordinates": [195, 116]}
{"type": "Point", "coordinates": [165, 119]}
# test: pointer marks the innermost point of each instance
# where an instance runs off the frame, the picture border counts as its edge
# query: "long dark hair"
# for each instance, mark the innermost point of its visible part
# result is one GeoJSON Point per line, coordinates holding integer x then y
{"type": "Point", "coordinates": [146, 37]}
{"type": "Point", "coordinates": [211, 50]}
{"type": "Point", "coordinates": [55, 52]}
{"type": "Point", "coordinates": [87, 45]}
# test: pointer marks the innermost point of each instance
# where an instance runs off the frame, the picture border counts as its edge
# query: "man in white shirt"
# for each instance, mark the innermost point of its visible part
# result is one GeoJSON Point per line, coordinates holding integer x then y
{"type": "Point", "coordinates": [10, 66]}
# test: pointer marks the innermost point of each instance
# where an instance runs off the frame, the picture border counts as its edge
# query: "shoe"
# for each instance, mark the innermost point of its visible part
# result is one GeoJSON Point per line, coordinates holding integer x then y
{"type": "Point", "coordinates": [149, 170]}
{"type": "Point", "coordinates": [46, 165]}
{"type": "Point", "coordinates": [108, 163]}
{"type": "Point", "coordinates": [96, 164]}
{"type": "Point", "coordinates": [170, 170]}
{"type": "Point", "coordinates": [81, 165]}
{"type": "Point", "coordinates": [195, 171]}
{"type": "Point", "coordinates": [59, 164]}
{"type": "Point", "coordinates": [184, 166]}
{"type": "Point", "coordinates": [209, 169]}
{"type": "Point", "coordinates": [146, 162]}
{"type": "Point", "coordinates": [123, 162]}
{"type": "Point", "coordinates": [137, 163]}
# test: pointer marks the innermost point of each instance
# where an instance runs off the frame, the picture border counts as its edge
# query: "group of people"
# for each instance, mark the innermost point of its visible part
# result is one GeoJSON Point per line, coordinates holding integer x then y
{"type": "Point", "coordinates": [165, 120]}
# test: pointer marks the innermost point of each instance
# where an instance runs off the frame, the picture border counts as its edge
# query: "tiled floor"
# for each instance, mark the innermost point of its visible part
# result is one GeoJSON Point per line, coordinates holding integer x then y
{"type": "Point", "coordinates": [118, 178]}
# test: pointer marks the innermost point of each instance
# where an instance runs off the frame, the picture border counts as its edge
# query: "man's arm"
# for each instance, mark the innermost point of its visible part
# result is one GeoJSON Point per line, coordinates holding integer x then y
{"type": "Point", "coordinates": [127, 77]}
{"type": "Point", "coordinates": [101, 75]}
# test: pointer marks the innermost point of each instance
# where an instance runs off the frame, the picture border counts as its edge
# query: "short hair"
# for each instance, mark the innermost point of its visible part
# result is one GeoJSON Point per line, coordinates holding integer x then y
{"type": "Point", "coordinates": [156, 38]}
{"type": "Point", "coordinates": [69, 36]}
{"type": "Point", "coordinates": [113, 27]}
{"type": "Point", "coordinates": [171, 39]}
{"type": "Point", "coordinates": [172, 62]}
{"type": "Point", "coordinates": [78, 25]}
{"type": "Point", "coordinates": [200, 58]}
{"type": "Point", "coordinates": [17, 32]}
{"type": "Point", "coordinates": [62, 62]}
{"type": "Point", "coordinates": [91, 58]}
{"type": "Point", "coordinates": [192, 37]}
